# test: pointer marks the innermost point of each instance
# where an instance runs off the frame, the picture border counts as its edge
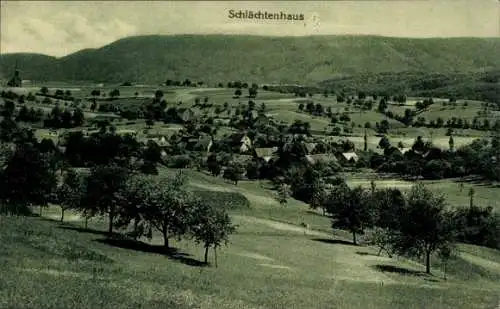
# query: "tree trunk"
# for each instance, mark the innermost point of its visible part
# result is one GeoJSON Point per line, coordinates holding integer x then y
{"type": "Point", "coordinates": [428, 262]}
{"type": "Point", "coordinates": [136, 227]}
{"type": "Point", "coordinates": [165, 235]}
{"type": "Point", "coordinates": [111, 219]}
{"type": "Point", "coordinates": [62, 214]}
{"type": "Point", "coordinates": [354, 238]}
{"type": "Point", "coordinates": [444, 270]}
{"type": "Point", "coordinates": [380, 251]}
{"type": "Point", "coordinates": [324, 212]}
{"type": "Point", "coordinates": [41, 208]}
{"type": "Point", "coordinates": [166, 245]}
{"type": "Point", "coordinates": [86, 221]}
{"type": "Point", "coordinates": [206, 255]}
{"type": "Point", "coordinates": [215, 254]}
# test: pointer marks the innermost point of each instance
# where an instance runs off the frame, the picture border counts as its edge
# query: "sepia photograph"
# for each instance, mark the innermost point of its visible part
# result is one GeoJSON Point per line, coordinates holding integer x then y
{"type": "Point", "coordinates": [250, 154]}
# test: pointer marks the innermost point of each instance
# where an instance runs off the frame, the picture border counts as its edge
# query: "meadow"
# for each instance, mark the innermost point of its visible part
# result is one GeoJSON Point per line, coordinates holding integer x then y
{"type": "Point", "coordinates": [271, 261]}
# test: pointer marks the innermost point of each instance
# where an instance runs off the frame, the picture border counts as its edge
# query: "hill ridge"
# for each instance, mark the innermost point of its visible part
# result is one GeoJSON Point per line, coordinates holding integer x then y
{"type": "Point", "coordinates": [268, 59]}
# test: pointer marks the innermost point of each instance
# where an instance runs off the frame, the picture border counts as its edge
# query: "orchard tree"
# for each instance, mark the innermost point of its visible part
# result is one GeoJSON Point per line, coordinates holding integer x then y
{"type": "Point", "coordinates": [350, 209]}
{"type": "Point", "coordinates": [425, 225]}
{"type": "Point", "coordinates": [115, 93]}
{"type": "Point", "coordinates": [132, 197]}
{"type": "Point", "coordinates": [319, 194]}
{"type": "Point", "coordinates": [210, 227]}
{"type": "Point", "coordinates": [167, 208]}
{"type": "Point", "coordinates": [383, 239]}
{"type": "Point", "coordinates": [283, 194]}
{"type": "Point", "coordinates": [451, 143]}
{"type": "Point", "coordinates": [103, 186]}
{"type": "Point", "coordinates": [70, 192]}
{"type": "Point", "coordinates": [26, 180]}
{"type": "Point", "coordinates": [234, 172]}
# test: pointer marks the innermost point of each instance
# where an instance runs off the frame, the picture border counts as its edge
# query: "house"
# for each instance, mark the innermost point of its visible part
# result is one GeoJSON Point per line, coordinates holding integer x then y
{"type": "Point", "coordinates": [240, 141]}
{"type": "Point", "coordinates": [404, 150]}
{"type": "Point", "coordinates": [160, 141]}
{"type": "Point", "coordinates": [246, 144]}
{"type": "Point", "coordinates": [310, 147]}
{"type": "Point", "coordinates": [349, 157]}
{"type": "Point", "coordinates": [186, 114]}
{"type": "Point", "coordinates": [266, 153]}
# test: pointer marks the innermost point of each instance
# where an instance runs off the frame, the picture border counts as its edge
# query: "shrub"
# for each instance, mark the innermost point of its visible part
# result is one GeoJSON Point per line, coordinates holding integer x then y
{"type": "Point", "coordinates": [179, 161]}
{"type": "Point", "coordinates": [223, 200]}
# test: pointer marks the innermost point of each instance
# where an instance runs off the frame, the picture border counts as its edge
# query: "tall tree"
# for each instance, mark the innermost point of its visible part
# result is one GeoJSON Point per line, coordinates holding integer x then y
{"type": "Point", "coordinates": [350, 209]}
{"type": "Point", "coordinates": [70, 192]}
{"type": "Point", "coordinates": [102, 189]}
{"type": "Point", "coordinates": [425, 225]}
{"type": "Point", "coordinates": [26, 180]}
{"type": "Point", "coordinates": [167, 207]}
{"type": "Point", "coordinates": [78, 117]}
{"type": "Point", "coordinates": [131, 199]}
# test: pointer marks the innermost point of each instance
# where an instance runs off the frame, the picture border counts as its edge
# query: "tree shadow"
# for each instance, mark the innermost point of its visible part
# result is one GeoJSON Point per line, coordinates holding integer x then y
{"type": "Point", "coordinates": [366, 253]}
{"type": "Point", "coordinates": [265, 234]}
{"type": "Point", "coordinates": [399, 270]}
{"type": "Point", "coordinates": [477, 181]}
{"type": "Point", "coordinates": [88, 230]}
{"type": "Point", "coordinates": [334, 241]}
{"type": "Point", "coordinates": [171, 253]}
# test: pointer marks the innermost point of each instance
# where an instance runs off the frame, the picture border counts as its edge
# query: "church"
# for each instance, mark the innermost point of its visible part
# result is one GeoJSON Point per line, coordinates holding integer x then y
{"type": "Point", "coordinates": [15, 81]}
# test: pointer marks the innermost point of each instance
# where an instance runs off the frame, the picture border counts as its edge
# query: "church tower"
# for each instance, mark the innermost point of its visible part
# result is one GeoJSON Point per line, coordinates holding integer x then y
{"type": "Point", "coordinates": [15, 81]}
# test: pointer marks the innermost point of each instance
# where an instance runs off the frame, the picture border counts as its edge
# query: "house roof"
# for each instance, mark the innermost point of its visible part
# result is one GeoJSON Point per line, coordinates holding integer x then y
{"type": "Point", "coordinates": [161, 141]}
{"type": "Point", "coordinates": [310, 146]}
{"type": "Point", "coordinates": [244, 147]}
{"type": "Point", "coordinates": [350, 156]}
{"type": "Point", "coordinates": [404, 150]}
{"type": "Point", "coordinates": [265, 152]}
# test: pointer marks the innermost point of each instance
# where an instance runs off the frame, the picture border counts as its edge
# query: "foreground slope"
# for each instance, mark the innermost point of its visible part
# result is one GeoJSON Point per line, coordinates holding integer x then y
{"type": "Point", "coordinates": [215, 58]}
{"type": "Point", "coordinates": [268, 264]}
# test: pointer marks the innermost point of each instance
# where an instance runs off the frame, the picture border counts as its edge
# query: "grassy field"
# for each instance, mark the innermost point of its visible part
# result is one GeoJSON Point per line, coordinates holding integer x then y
{"type": "Point", "coordinates": [444, 111]}
{"type": "Point", "coordinates": [271, 262]}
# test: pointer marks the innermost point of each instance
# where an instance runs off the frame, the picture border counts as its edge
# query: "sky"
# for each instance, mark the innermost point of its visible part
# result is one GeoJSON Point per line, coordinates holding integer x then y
{"type": "Point", "coordinates": [58, 28]}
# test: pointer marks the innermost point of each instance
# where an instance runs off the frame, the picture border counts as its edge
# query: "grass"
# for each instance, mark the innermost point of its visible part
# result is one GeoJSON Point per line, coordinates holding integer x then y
{"type": "Point", "coordinates": [485, 194]}
{"type": "Point", "coordinates": [45, 264]}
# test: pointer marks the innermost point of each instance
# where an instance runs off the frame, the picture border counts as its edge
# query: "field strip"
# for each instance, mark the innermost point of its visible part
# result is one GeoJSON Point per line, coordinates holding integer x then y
{"type": "Point", "coordinates": [492, 265]}
{"type": "Point", "coordinates": [275, 266]}
{"type": "Point", "coordinates": [255, 256]}
{"type": "Point", "coordinates": [281, 226]}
